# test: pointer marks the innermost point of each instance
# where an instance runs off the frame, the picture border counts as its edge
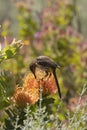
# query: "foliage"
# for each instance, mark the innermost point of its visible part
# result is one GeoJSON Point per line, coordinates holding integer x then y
{"type": "Point", "coordinates": [7, 80]}
{"type": "Point", "coordinates": [7, 86]}
{"type": "Point", "coordinates": [28, 26]}
{"type": "Point", "coordinates": [10, 50]}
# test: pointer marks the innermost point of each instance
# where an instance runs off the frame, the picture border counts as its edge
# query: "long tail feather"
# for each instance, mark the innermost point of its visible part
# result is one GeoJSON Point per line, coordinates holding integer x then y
{"type": "Point", "coordinates": [56, 80]}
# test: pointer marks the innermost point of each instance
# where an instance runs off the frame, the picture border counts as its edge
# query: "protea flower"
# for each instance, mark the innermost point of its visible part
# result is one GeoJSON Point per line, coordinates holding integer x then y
{"type": "Point", "coordinates": [29, 92]}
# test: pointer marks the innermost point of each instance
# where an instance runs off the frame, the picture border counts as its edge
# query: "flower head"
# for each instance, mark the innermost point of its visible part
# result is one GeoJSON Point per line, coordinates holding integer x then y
{"type": "Point", "coordinates": [21, 98]}
{"type": "Point", "coordinates": [30, 93]}
{"type": "Point", "coordinates": [49, 85]}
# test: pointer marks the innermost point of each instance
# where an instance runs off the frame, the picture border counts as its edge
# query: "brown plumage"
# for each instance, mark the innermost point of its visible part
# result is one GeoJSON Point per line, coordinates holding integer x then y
{"type": "Point", "coordinates": [46, 64]}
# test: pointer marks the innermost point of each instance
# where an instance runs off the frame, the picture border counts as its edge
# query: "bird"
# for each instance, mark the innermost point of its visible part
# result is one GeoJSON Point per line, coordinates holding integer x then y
{"type": "Point", "coordinates": [48, 65]}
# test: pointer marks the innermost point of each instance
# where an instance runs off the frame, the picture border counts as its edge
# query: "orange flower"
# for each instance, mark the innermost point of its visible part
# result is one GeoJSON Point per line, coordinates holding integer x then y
{"type": "Point", "coordinates": [30, 93]}
{"type": "Point", "coordinates": [32, 85]}
{"type": "Point", "coordinates": [30, 82]}
{"type": "Point", "coordinates": [49, 85]}
{"type": "Point", "coordinates": [22, 97]}
{"type": "Point", "coordinates": [19, 97]}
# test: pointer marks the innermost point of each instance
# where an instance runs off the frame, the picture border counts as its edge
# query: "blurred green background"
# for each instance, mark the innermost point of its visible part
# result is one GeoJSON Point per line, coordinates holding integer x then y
{"type": "Point", "coordinates": [8, 11]}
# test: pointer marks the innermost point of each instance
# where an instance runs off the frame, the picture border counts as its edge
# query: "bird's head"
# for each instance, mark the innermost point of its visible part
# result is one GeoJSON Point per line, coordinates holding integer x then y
{"type": "Point", "coordinates": [32, 67]}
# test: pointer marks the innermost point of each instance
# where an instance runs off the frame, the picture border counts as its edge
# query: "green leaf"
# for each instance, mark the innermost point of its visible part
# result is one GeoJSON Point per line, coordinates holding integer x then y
{"type": "Point", "coordinates": [9, 53]}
